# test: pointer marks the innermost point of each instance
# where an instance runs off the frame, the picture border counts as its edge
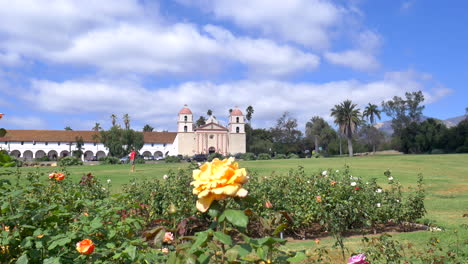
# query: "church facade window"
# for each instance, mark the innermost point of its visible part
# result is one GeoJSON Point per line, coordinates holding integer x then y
{"type": "Point", "coordinates": [237, 129]}
{"type": "Point", "coordinates": [185, 128]}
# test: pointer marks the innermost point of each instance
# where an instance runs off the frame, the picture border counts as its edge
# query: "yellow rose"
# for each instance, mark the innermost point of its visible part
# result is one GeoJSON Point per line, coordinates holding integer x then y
{"type": "Point", "coordinates": [217, 180]}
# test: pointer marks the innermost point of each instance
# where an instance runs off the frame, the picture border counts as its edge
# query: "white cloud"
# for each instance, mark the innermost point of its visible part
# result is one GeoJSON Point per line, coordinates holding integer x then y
{"type": "Point", "coordinates": [269, 98]}
{"type": "Point", "coordinates": [22, 122]}
{"type": "Point", "coordinates": [407, 5]}
{"type": "Point", "coordinates": [122, 37]}
{"type": "Point", "coordinates": [307, 22]}
{"type": "Point", "coordinates": [355, 59]}
{"type": "Point", "coordinates": [362, 57]}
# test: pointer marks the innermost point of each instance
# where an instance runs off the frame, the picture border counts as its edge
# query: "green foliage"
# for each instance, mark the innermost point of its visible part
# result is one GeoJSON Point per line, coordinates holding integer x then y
{"type": "Point", "coordinates": [286, 137]}
{"type": "Point", "coordinates": [248, 156]}
{"type": "Point", "coordinates": [384, 249]}
{"type": "Point", "coordinates": [140, 161]}
{"type": "Point", "coordinates": [120, 141]}
{"type": "Point", "coordinates": [215, 155]}
{"type": "Point", "coordinates": [108, 160]}
{"type": "Point", "coordinates": [319, 134]}
{"type": "Point", "coordinates": [280, 156]}
{"type": "Point", "coordinates": [45, 158]}
{"type": "Point", "coordinates": [6, 160]}
{"type": "Point", "coordinates": [172, 159]}
{"type": "Point", "coordinates": [293, 156]}
{"type": "Point", "coordinates": [348, 118]}
{"type": "Point", "coordinates": [69, 161]}
{"type": "Point", "coordinates": [264, 156]}
{"type": "Point", "coordinates": [46, 219]}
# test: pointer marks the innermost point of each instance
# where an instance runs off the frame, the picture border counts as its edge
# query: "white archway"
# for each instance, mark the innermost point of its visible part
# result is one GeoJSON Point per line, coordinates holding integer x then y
{"type": "Point", "coordinates": [53, 155]}
{"type": "Point", "coordinates": [28, 155]}
{"type": "Point", "coordinates": [100, 154]}
{"type": "Point", "coordinates": [15, 153]}
{"type": "Point", "coordinates": [40, 154]}
{"type": "Point", "coordinates": [88, 155]}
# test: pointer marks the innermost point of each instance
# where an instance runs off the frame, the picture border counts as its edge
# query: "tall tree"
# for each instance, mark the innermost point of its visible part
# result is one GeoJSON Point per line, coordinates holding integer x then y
{"type": "Point", "coordinates": [404, 111]}
{"type": "Point", "coordinates": [201, 121]}
{"type": "Point", "coordinates": [126, 119]}
{"type": "Point", "coordinates": [347, 117]}
{"type": "Point", "coordinates": [209, 112]}
{"type": "Point", "coordinates": [371, 112]}
{"type": "Point", "coordinates": [319, 132]}
{"type": "Point", "coordinates": [286, 136]}
{"type": "Point", "coordinates": [148, 128]}
{"type": "Point", "coordinates": [97, 127]}
{"type": "Point", "coordinates": [120, 141]}
{"type": "Point", "coordinates": [68, 128]}
{"type": "Point", "coordinates": [114, 119]}
{"type": "Point", "coordinates": [249, 110]}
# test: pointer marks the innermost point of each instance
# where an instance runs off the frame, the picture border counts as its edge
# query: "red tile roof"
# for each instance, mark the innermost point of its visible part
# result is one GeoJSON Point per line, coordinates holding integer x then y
{"type": "Point", "coordinates": [16, 135]}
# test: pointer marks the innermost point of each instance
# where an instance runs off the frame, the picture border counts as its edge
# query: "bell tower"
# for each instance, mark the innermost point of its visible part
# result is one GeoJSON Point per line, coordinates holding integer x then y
{"type": "Point", "coordinates": [237, 138]}
{"type": "Point", "coordinates": [185, 120]}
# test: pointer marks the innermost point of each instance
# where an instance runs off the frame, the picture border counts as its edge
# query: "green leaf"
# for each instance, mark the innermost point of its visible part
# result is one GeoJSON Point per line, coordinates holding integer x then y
{"type": "Point", "coordinates": [237, 217]}
{"type": "Point", "coordinates": [204, 258]}
{"type": "Point", "coordinates": [202, 237]}
{"type": "Point", "coordinates": [131, 251]}
{"type": "Point", "coordinates": [280, 229]}
{"type": "Point", "coordinates": [52, 260]}
{"type": "Point", "coordinates": [223, 238]}
{"type": "Point", "coordinates": [244, 249]}
{"type": "Point", "coordinates": [260, 253]}
{"type": "Point", "coordinates": [23, 259]}
{"type": "Point", "coordinates": [300, 256]}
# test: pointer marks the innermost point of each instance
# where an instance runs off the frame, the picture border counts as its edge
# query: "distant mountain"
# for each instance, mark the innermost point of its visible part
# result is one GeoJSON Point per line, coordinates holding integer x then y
{"type": "Point", "coordinates": [386, 127]}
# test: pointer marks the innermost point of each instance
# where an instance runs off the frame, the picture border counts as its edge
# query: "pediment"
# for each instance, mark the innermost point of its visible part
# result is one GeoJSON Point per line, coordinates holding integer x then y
{"type": "Point", "coordinates": [211, 126]}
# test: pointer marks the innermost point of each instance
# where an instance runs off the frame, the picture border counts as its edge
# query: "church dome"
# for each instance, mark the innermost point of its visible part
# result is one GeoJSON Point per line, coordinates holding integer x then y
{"type": "Point", "coordinates": [185, 111]}
{"type": "Point", "coordinates": [236, 112]}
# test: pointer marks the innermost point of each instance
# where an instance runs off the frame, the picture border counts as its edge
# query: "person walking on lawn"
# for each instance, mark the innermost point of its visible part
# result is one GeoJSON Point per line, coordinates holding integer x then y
{"type": "Point", "coordinates": [132, 159]}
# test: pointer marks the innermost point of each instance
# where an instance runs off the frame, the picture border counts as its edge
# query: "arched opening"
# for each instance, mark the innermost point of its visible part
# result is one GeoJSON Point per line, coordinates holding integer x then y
{"type": "Point", "coordinates": [146, 154]}
{"type": "Point", "coordinates": [100, 154]}
{"type": "Point", "coordinates": [64, 153]}
{"type": "Point", "coordinates": [15, 153]}
{"type": "Point", "coordinates": [212, 150]}
{"type": "Point", "coordinates": [185, 128]}
{"type": "Point", "coordinates": [88, 155]}
{"type": "Point", "coordinates": [185, 118]}
{"type": "Point", "coordinates": [158, 154]}
{"type": "Point", "coordinates": [237, 119]}
{"type": "Point", "coordinates": [28, 155]}
{"type": "Point", "coordinates": [237, 129]}
{"type": "Point", "coordinates": [40, 154]}
{"type": "Point", "coordinates": [53, 155]}
{"type": "Point", "coordinates": [167, 154]}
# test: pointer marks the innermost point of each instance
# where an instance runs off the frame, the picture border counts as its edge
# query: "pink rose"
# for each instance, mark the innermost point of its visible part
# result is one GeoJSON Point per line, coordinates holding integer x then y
{"type": "Point", "coordinates": [168, 237]}
{"type": "Point", "coordinates": [358, 259]}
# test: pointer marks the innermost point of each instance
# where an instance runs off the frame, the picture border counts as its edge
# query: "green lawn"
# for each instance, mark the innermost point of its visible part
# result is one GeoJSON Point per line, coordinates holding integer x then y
{"type": "Point", "coordinates": [445, 177]}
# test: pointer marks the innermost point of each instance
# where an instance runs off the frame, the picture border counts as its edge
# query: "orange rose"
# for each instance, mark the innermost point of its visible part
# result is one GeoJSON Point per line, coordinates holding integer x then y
{"type": "Point", "coordinates": [85, 246]}
{"type": "Point", "coordinates": [59, 176]}
{"type": "Point", "coordinates": [52, 175]}
{"type": "Point", "coordinates": [218, 180]}
{"type": "Point", "coordinates": [268, 204]}
{"type": "Point", "coordinates": [333, 183]}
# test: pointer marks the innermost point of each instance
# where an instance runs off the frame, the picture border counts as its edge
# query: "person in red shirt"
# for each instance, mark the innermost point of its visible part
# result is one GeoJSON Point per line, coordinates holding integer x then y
{"type": "Point", "coordinates": [132, 159]}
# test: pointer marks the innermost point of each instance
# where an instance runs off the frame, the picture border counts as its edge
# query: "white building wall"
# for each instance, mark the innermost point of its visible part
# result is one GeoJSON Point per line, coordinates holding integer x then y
{"type": "Point", "coordinates": [166, 149]}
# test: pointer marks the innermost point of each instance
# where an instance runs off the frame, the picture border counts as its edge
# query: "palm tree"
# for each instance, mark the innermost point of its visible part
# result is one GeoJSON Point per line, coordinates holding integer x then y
{"type": "Point", "coordinates": [97, 127]}
{"type": "Point", "coordinates": [249, 111]}
{"type": "Point", "coordinates": [371, 111]}
{"type": "Point", "coordinates": [126, 119]}
{"type": "Point", "coordinates": [148, 128]}
{"type": "Point", "coordinates": [114, 119]}
{"type": "Point", "coordinates": [347, 117]}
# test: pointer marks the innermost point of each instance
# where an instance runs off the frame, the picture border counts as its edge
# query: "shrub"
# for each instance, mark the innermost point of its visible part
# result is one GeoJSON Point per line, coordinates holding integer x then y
{"type": "Point", "coordinates": [437, 151]}
{"type": "Point", "coordinates": [215, 155]}
{"type": "Point", "coordinates": [69, 161]}
{"type": "Point", "coordinates": [45, 158]}
{"type": "Point", "coordinates": [280, 156]}
{"type": "Point", "coordinates": [172, 159]}
{"type": "Point", "coordinates": [108, 160]}
{"type": "Point", "coordinates": [293, 156]}
{"type": "Point", "coordinates": [248, 156]}
{"type": "Point", "coordinates": [140, 161]}
{"type": "Point", "coordinates": [264, 156]}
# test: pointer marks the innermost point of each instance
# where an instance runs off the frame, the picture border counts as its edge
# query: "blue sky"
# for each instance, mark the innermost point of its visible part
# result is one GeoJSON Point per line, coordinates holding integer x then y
{"type": "Point", "coordinates": [74, 63]}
